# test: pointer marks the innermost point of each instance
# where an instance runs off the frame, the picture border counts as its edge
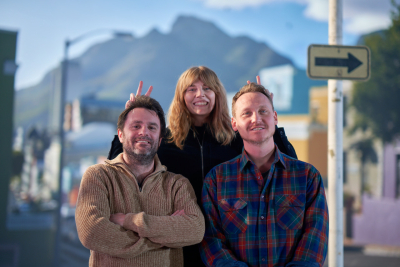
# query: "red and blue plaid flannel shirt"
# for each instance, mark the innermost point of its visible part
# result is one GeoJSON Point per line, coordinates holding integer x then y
{"type": "Point", "coordinates": [281, 222]}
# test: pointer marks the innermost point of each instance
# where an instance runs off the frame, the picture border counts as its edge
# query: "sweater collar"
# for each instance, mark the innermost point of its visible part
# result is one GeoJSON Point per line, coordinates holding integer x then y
{"type": "Point", "coordinates": [119, 161]}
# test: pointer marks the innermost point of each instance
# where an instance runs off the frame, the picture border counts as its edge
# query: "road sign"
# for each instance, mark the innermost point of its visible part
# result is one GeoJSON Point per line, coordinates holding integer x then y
{"type": "Point", "coordinates": [338, 62]}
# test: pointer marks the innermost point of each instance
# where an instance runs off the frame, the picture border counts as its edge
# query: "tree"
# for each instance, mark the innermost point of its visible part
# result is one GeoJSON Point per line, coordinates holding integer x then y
{"type": "Point", "coordinates": [377, 101]}
{"type": "Point", "coordinates": [365, 148]}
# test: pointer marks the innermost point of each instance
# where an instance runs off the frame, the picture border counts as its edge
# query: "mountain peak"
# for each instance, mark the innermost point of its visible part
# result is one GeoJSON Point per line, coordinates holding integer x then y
{"type": "Point", "coordinates": [155, 32]}
{"type": "Point", "coordinates": [185, 24]}
{"type": "Point", "coordinates": [112, 69]}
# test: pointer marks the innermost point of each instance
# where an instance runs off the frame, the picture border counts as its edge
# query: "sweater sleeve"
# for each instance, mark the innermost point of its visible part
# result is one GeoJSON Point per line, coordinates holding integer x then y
{"type": "Point", "coordinates": [172, 231]}
{"type": "Point", "coordinates": [95, 230]}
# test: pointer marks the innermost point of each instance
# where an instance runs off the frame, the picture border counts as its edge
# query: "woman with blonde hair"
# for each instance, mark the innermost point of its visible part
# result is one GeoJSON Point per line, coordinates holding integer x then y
{"type": "Point", "coordinates": [183, 114]}
{"type": "Point", "coordinates": [199, 134]}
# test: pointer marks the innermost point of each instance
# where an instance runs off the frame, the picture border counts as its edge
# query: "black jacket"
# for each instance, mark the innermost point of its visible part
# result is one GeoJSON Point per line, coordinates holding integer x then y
{"type": "Point", "coordinates": [201, 152]}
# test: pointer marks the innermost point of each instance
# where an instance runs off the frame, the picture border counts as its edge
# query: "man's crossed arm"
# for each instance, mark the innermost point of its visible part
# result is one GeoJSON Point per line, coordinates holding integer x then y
{"type": "Point", "coordinates": [100, 231]}
{"type": "Point", "coordinates": [183, 228]}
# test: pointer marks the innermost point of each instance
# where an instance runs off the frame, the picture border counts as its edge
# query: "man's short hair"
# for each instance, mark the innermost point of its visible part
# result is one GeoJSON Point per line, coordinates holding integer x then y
{"type": "Point", "coordinates": [147, 103]}
{"type": "Point", "coordinates": [250, 88]}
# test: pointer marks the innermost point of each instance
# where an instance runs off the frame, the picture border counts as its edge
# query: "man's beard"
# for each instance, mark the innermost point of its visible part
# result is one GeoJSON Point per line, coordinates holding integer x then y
{"type": "Point", "coordinates": [259, 142]}
{"type": "Point", "coordinates": [145, 158]}
{"type": "Point", "coordinates": [255, 142]}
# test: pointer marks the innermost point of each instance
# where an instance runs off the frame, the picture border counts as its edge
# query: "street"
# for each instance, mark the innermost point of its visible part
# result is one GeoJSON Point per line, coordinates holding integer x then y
{"type": "Point", "coordinates": [355, 257]}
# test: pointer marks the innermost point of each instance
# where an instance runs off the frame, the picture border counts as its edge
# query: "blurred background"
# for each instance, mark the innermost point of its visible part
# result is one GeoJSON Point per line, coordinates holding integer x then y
{"type": "Point", "coordinates": [68, 67]}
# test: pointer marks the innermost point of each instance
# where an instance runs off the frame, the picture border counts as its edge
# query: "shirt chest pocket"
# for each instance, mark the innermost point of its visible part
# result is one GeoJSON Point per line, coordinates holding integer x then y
{"type": "Point", "coordinates": [233, 214]}
{"type": "Point", "coordinates": [290, 211]}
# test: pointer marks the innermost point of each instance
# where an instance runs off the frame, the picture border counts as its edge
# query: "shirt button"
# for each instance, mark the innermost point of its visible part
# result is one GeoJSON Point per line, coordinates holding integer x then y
{"type": "Point", "coordinates": [262, 196]}
{"type": "Point", "coordinates": [263, 259]}
{"type": "Point", "coordinates": [262, 238]}
{"type": "Point", "coordinates": [262, 217]}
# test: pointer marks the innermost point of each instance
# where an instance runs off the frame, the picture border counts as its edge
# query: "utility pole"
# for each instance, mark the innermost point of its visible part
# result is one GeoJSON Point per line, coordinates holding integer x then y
{"type": "Point", "coordinates": [61, 135]}
{"type": "Point", "coordinates": [335, 145]}
{"type": "Point", "coordinates": [63, 97]}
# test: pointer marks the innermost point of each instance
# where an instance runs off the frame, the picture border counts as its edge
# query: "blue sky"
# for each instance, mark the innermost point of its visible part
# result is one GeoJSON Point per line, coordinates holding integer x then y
{"type": "Point", "coordinates": [288, 26]}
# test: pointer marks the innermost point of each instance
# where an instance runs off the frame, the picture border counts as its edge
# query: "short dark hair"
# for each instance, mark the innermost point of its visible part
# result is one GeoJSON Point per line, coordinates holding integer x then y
{"type": "Point", "coordinates": [251, 88]}
{"type": "Point", "coordinates": [147, 103]}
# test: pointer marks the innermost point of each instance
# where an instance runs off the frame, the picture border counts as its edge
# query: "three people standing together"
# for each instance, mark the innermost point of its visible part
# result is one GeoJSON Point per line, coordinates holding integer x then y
{"type": "Point", "coordinates": [262, 206]}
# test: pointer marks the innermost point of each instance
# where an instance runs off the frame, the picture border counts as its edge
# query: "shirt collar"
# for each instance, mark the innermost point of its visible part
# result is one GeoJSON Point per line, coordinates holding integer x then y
{"type": "Point", "coordinates": [244, 159]}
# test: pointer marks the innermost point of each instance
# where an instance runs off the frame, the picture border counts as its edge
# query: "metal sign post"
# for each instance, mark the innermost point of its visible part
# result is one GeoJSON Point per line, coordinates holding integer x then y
{"type": "Point", "coordinates": [336, 62]}
{"type": "Point", "coordinates": [335, 146]}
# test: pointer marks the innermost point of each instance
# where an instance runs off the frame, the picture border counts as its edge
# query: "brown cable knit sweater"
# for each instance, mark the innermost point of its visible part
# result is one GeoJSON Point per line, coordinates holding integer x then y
{"type": "Point", "coordinates": [150, 236]}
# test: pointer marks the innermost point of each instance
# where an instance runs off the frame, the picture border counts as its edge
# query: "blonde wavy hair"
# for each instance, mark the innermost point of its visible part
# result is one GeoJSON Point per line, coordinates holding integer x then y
{"type": "Point", "coordinates": [179, 117]}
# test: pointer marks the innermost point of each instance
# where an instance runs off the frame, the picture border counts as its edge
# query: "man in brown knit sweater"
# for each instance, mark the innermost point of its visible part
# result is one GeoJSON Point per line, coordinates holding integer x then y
{"type": "Point", "coordinates": [131, 211]}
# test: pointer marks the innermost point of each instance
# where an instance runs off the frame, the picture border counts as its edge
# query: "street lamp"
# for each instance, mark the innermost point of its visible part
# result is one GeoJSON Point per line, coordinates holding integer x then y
{"type": "Point", "coordinates": [68, 42]}
{"type": "Point", "coordinates": [63, 90]}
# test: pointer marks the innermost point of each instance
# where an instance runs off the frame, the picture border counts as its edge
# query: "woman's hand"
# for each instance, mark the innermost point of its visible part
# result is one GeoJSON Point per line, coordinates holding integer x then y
{"type": "Point", "coordinates": [259, 82]}
{"type": "Point", "coordinates": [138, 93]}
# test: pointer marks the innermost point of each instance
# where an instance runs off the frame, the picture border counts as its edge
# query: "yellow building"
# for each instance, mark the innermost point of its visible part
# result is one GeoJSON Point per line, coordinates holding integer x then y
{"type": "Point", "coordinates": [301, 104]}
{"type": "Point", "coordinates": [308, 132]}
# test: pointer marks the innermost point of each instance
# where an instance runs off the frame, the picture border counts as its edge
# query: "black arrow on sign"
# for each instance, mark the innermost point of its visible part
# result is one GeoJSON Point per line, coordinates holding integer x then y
{"type": "Point", "coordinates": [351, 62]}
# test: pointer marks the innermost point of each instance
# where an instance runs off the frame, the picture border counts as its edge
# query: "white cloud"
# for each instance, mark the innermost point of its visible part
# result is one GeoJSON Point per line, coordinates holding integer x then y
{"type": "Point", "coordinates": [365, 23]}
{"type": "Point", "coordinates": [235, 4]}
{"type": "Point", "coordinates": [364, 16]}
{"type": "Point", "coordinates": [317, 10]}
{"type": "Point", "coordinates": [360, 16]}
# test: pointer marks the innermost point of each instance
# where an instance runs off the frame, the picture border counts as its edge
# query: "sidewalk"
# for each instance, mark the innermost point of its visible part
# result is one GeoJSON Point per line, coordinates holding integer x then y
{"type": "Point", "coordinates": [379, 250]}
{"type": "Point", "coordinates": [356, 255]}
{"type": "Point", "coordinates": [373, 249]}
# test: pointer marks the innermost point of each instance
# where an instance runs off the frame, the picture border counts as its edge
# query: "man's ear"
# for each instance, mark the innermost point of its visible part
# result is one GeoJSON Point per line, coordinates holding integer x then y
{"type": "Point", "coordinates": [233, 122]}
{"type": "Point", "coordinates": [120, 136]}
{"type": "Point", "coordinates": [159, 143]}
{"type": "Point", "coordinates": [276, 117]}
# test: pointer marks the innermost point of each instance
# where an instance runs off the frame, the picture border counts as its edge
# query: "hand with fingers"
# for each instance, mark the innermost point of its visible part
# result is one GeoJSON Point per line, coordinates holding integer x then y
{"type": "Point", "coordinates": [259, 82]}
{"type": "Point", "coordinates": [179, 213]}
{"type": "Point", "coordinates": [117, 218]}
{"type": "Point", "coordinates": [257, 78]}
{"type": "Point", "coordinates": [138, 93]}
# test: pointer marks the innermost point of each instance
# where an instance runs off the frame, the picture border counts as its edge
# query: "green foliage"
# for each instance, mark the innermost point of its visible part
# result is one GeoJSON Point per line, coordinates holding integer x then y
{"type": "Point", "coordinates": [366, 149]}
{"type": "Point", "coordinates": [377, 101]}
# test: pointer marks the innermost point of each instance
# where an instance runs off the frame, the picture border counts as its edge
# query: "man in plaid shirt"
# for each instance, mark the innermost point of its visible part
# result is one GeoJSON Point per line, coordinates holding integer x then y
{"type": "Point", "coordinates": [263, 208]}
